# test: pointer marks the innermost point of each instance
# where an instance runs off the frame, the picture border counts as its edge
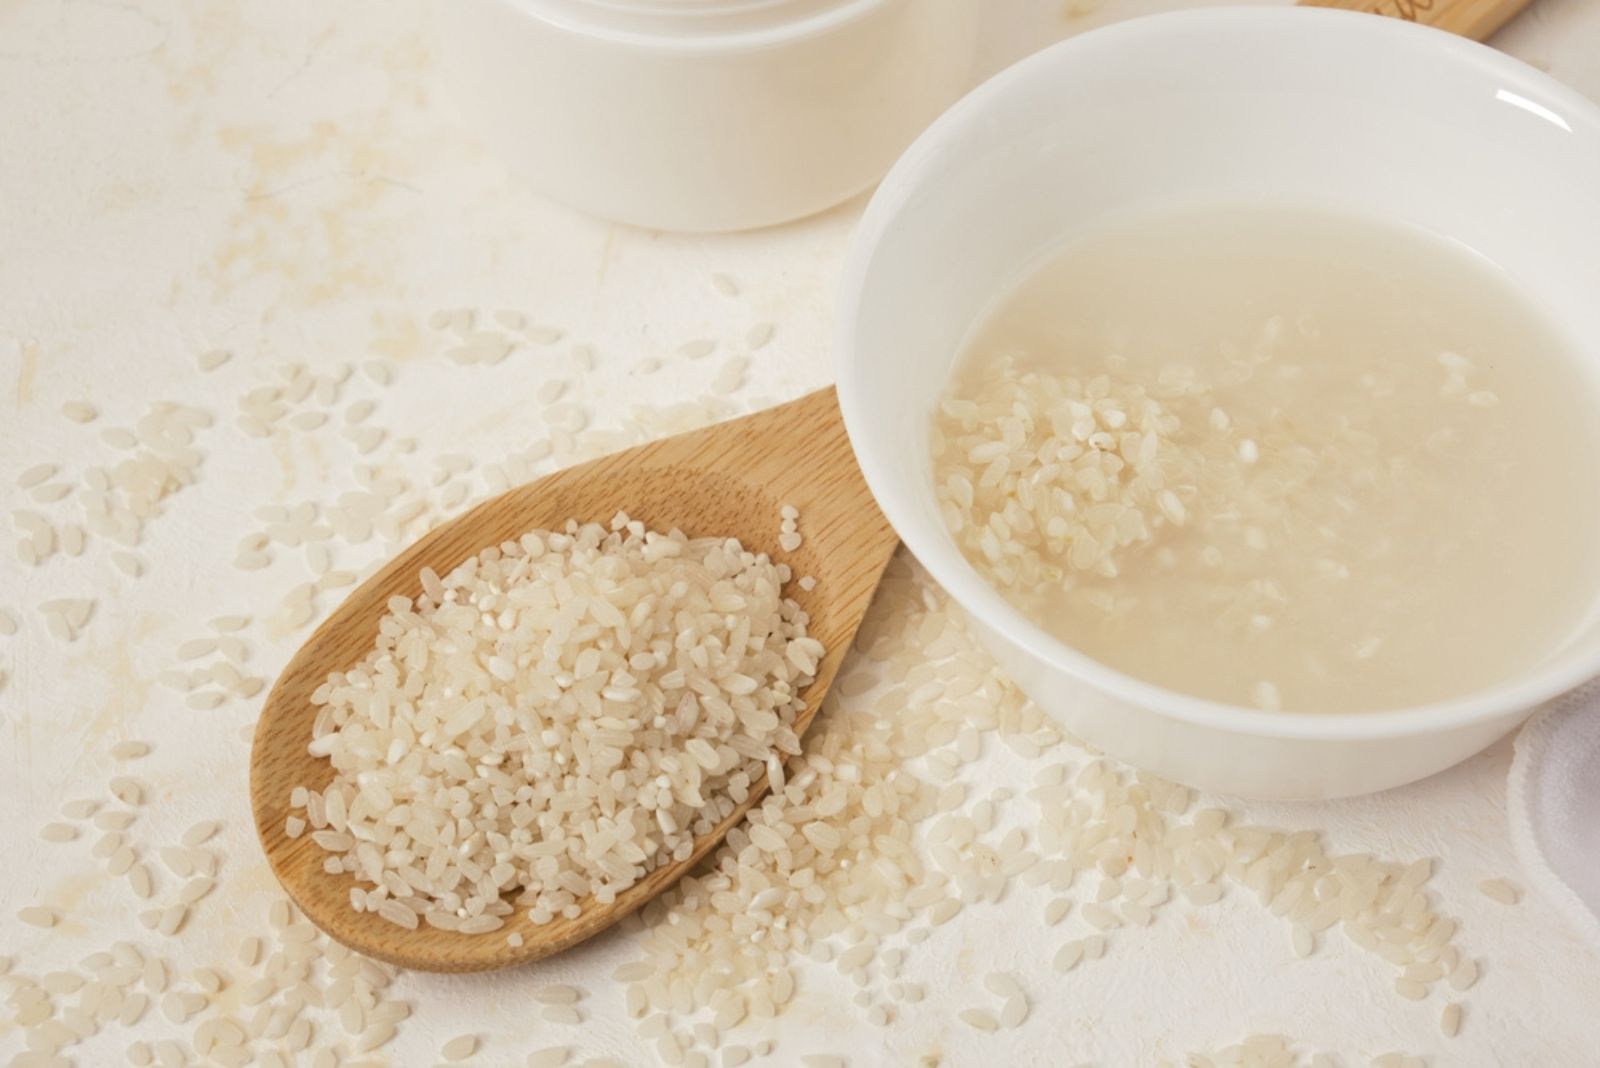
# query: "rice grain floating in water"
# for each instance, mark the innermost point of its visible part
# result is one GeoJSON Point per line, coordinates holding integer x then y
{"type": "Point", "coordinates": [554, 719]}
{"type": "Point", "coordinates": [1275, 458]}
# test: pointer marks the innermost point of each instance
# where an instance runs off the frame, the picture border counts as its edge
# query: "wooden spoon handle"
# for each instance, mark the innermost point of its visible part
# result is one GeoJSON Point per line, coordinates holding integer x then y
{"type": "Point", "coordinates": [1477, 19]}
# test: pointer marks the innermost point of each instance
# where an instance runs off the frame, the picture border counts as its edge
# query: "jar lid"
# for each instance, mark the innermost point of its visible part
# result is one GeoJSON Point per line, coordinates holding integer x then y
{"type": "Point", "coordinates": [675, 24]}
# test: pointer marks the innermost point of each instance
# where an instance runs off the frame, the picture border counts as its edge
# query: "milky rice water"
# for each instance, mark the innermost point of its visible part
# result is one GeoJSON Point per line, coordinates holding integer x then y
{"type": "Point", "coordinates": [1276, 457]}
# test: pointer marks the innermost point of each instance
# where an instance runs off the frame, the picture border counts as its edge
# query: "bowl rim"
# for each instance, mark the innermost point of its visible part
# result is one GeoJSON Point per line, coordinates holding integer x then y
{"type": "Point", "coordinates": [945, 563]}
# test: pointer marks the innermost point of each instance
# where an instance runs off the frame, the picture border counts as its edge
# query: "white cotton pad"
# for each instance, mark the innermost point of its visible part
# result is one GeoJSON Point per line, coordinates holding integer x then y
{"type": "Point", "coordinates": [1553, 804]}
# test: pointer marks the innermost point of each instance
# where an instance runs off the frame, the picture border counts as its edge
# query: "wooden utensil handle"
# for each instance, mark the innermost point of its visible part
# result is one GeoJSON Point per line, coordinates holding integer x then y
{"type": "Point", "coordinates": [1476, 19]}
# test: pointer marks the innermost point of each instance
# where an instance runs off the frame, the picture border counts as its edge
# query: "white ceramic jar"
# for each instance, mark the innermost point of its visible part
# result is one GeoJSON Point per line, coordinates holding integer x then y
{"type": "Point", "coordinates": [705, 115]}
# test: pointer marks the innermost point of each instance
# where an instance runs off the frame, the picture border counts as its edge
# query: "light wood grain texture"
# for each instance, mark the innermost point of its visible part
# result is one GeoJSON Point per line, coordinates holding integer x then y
{"type": "Point", "coordinates": [1477, 19]}
{"type": "Point", "coordinates": [730, 479]}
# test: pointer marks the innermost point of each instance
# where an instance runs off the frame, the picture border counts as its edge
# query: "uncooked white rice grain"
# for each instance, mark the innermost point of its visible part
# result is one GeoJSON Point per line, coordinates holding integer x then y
{"type": "Point", "coordinates": [77, 612]}
{"type": "Point", "coordinates": [50, 494]}
{"type": "Point", "coordinates": [195, 889]}
{"type": "Point", "coordinates": [557, 994]}
{"type": "Point", "coordinates": [1411, 989]}
{"type": "Point", "coordinates": [459, 1048]}
{"type": "Point", "coordinates": [177, 860]}
{"type": "Point", "coordinates": [155, 975]}
{"type": "Point", "coordinates": [549, 1057]}
{"type": "Point", "coordinates": [62, 982]}
{"type": "Point", "coordinates": [195, 648]}
{"type": "Point", "coordinates": [979, 1019]}
{"type": "Point", "coordinates": [134, 1006]}
{"type": "Point", "coordinates": [33, 476]}
{"type": "Point", "coordinates": [1499, 890]}
{"type": "Point", "coordinates": [36, 916]}
{"type": "Point", "coordinates": [1002, 985]}
{"type": "Point", "coordinates": [72, 539]}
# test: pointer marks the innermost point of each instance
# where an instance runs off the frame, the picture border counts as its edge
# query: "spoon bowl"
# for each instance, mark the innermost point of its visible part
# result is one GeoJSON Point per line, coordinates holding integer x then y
{"type": "Point", "coordinates": [729, 480]}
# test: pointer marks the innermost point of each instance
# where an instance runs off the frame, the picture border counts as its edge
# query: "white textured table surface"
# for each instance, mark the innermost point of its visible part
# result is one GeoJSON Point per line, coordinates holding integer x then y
{"type": "Point", "coordinates": [279, 180]}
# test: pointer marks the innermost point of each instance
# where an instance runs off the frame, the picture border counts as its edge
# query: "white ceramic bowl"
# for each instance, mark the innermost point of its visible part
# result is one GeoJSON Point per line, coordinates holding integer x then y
{"type": "Point", "coordinates": [1293, 105]}
{"type": "Point", "coordinates": [705, 114]}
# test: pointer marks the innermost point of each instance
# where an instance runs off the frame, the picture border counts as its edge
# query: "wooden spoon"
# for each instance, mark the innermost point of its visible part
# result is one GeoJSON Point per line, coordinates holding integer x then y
{"type": "Point", "coordinates": [730, 479]}
{"type": "Point", "coordinates": [1477, 19]}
